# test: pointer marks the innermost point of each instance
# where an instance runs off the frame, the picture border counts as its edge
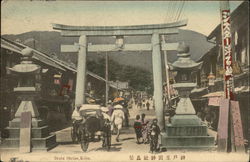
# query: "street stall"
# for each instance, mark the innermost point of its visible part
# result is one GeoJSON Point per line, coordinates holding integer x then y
{"type": "Point", "coordinates": [211, 110]}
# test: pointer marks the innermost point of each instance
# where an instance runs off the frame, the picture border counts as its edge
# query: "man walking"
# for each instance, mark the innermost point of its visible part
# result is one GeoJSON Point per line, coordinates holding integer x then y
{"type": "Point", "coordinates": [147, 104]}
{"type": "Point", "coordinates": [117, 119]}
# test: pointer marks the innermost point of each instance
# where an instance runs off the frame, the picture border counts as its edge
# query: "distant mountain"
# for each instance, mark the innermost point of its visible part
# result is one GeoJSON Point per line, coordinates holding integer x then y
{"type": "Point", "coordinates": [50, 41]}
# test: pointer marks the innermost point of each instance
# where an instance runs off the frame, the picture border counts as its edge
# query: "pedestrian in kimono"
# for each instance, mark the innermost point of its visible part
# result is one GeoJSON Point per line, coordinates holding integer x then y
{"type": "Point", "coordinates": [153, 135]}
{"type": "Point", "coordinates": [138, 129]}
{"type": "Point", "coordinates": [145, 128]}
{"type": "Point", "coordinates": [148, 104]}
{"type": "Point", "coordinates": [139, 104]}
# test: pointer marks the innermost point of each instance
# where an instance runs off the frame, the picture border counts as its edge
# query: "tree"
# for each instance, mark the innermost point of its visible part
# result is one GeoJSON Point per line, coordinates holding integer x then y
{"type": "Point", "coordinates": [138, 79]}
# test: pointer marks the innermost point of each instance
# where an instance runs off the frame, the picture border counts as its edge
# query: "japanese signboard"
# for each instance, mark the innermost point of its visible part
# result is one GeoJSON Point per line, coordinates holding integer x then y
{"type": "Point", "coordinates": [227, 49]}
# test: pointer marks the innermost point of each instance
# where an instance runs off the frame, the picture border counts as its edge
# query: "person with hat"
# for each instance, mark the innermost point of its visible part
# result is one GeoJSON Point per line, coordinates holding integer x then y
{"type": "Point", "coordinates": [105, 111]}
{"type": "Point", "coordinates": [117, 119]}
{"type": "Point", "coordinates": [90, 101]}
{"type": "Point", "coordinates": [77, 119]}
{"type": "Point", "coordinates": [110, 108]}
{"type": "Point", "coordinates": [76, 115]}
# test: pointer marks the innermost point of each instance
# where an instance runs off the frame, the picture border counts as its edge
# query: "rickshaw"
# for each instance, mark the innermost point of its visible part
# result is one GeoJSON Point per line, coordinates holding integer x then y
{"type": "Point", "coordinates": [92, 122]}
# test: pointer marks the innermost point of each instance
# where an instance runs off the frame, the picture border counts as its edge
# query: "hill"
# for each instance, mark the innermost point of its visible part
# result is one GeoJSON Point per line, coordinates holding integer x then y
{"type": "Point", "coordinates": [49, 42]}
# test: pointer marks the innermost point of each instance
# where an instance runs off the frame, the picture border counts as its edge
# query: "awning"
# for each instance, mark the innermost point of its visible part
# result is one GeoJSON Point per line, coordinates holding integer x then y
{"type": "Point", "coordinates": [215, 94]}
{"type": "Point", "coordinates": [214, 101]}
{"type": "Point", "coordinates": [198, 92]}
{"type": "Point", "coordinates": [241, 89]}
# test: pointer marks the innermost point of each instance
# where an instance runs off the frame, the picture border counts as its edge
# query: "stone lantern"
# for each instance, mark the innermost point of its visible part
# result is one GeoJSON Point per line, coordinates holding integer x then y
{"type": "Point", "coordinates": [26, 73]}
{"type": "Point", "coordinates": [27, 91]}
{"type": "Point", "coordinates": [185, 129]}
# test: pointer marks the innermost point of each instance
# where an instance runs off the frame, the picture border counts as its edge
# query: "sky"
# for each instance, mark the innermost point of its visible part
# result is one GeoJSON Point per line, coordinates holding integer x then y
{"type": "Point", "coordinates": [23, 16]}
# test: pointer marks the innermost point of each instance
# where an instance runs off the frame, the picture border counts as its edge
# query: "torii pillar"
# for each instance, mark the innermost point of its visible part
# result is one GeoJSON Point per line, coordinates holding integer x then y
{"type": "Point", "coordinates": [157, 78]}
{"type": "Point", "coordinates": [81, 71]}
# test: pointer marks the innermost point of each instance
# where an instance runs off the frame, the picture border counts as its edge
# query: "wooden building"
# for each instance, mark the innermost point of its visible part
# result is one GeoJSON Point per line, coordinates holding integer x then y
{"type": "Point", "coordinates": [212, 69]}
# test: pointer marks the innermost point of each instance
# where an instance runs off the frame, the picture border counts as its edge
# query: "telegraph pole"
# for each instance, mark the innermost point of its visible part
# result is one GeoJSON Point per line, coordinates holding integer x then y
{"type": "Point", "coordinates": [167, 74]}
{"type": "Point", "coordinates": [107, 79]}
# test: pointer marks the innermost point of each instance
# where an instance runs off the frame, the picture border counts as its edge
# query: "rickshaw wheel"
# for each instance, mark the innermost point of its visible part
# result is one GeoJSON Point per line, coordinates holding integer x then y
{"type": "Point", "coordinates": [83, 140]}
{"type": "Point", "coordinates": [107, 140]}
{"type": "Point", "coordinates": [84, 145]}
{"type": "Point", "coordinates": [73, 134]}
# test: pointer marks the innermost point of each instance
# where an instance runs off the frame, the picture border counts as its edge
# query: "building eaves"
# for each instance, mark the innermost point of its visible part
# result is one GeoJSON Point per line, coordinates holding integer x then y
{"type": "Point", "coordinates": [243, 6]}
{"type": "Point", "coordinates": [209, 52]}
{"type": "Point", "coordinates": [18, 47]}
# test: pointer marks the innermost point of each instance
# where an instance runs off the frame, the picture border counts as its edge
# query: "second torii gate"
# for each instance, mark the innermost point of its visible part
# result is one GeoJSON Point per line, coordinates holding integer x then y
{"type": "Point", "coordinates": [120, 31]}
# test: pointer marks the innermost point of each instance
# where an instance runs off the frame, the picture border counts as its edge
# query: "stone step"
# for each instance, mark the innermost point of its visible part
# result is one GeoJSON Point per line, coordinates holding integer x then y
{"type": "Point", "coordinates": [35, 123]}
{"type": "Point", "coordinates": [37, 143]}
{"type": "Point", "coordinates": [186, 130]}
{"type": "Point", "coordinates": [194, 148]}
{"type": "Point", "coordinates": [185, 120]}
{"type": "Point", "coordinates": [186, 141]}
{"type": "Point", "coordinates": [37, 132]}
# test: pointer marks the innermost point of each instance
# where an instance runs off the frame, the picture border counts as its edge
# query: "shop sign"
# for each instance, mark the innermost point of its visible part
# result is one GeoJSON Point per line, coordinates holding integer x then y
{"type": "Point", "coordinates": [227, 51]}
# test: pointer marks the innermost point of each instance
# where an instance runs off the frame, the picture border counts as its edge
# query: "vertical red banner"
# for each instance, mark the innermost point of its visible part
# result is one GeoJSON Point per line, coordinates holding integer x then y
{"type": "Point", "coordinates": [227, 51]}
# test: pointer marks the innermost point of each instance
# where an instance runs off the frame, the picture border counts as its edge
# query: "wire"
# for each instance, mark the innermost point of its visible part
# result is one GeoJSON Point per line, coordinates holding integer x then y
{"type": "Point", "coordinates": [173, 11]}
{"type": "Point", "coordinates": [169, 11]}
{"type": "Point", "coordinates": [176, 11]}
{"type": "Point", "coordinates": [181, 8]}
{"type": "Point", "coordinates": [183, 12]}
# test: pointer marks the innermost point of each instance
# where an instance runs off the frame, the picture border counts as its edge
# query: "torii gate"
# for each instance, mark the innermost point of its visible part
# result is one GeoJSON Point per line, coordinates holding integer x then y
{"type": "Point", "coordinates": [120, 31]}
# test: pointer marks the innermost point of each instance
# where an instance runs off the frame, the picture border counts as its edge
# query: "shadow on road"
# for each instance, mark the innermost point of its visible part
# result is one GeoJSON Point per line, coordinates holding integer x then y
{"type": "Point", "coordinates": [67, 143]}
{"type": "Point", "coordinates": [113, 149]}
{"type": "Point", "coordinates": [130, 138]}
{"type": "Point", "coordinates": [117, 144]}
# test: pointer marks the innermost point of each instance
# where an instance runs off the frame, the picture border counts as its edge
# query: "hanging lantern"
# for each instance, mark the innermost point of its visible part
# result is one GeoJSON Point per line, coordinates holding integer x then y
{"type": "Point", "coordinates": [119, 41]}
{"type": "Point", "coordinates": [211, 79]}
{"type": "Point", "coordinates": [57, 79]}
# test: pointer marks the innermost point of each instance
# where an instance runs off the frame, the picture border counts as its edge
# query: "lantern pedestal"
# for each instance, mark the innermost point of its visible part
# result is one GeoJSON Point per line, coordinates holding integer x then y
{"type": "Point", "coordinates": [185, 113]}
{"type": "Point", "coordinates": [40, 136]}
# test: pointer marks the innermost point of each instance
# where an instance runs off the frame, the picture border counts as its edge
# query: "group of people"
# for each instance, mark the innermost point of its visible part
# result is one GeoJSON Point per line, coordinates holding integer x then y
{"type": "Point", "coordinates": [143, 103]}
{"type": "Point", "coordinates": [115, 112]}
{"type": "Point", "coordinates": [147, 132]}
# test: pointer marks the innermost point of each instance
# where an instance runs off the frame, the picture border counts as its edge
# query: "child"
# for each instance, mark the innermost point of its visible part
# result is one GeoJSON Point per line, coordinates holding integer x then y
{"type": "Point", "coordinates": [153, 134]}
{"type": "Point", "coordinates": [138, 129]}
